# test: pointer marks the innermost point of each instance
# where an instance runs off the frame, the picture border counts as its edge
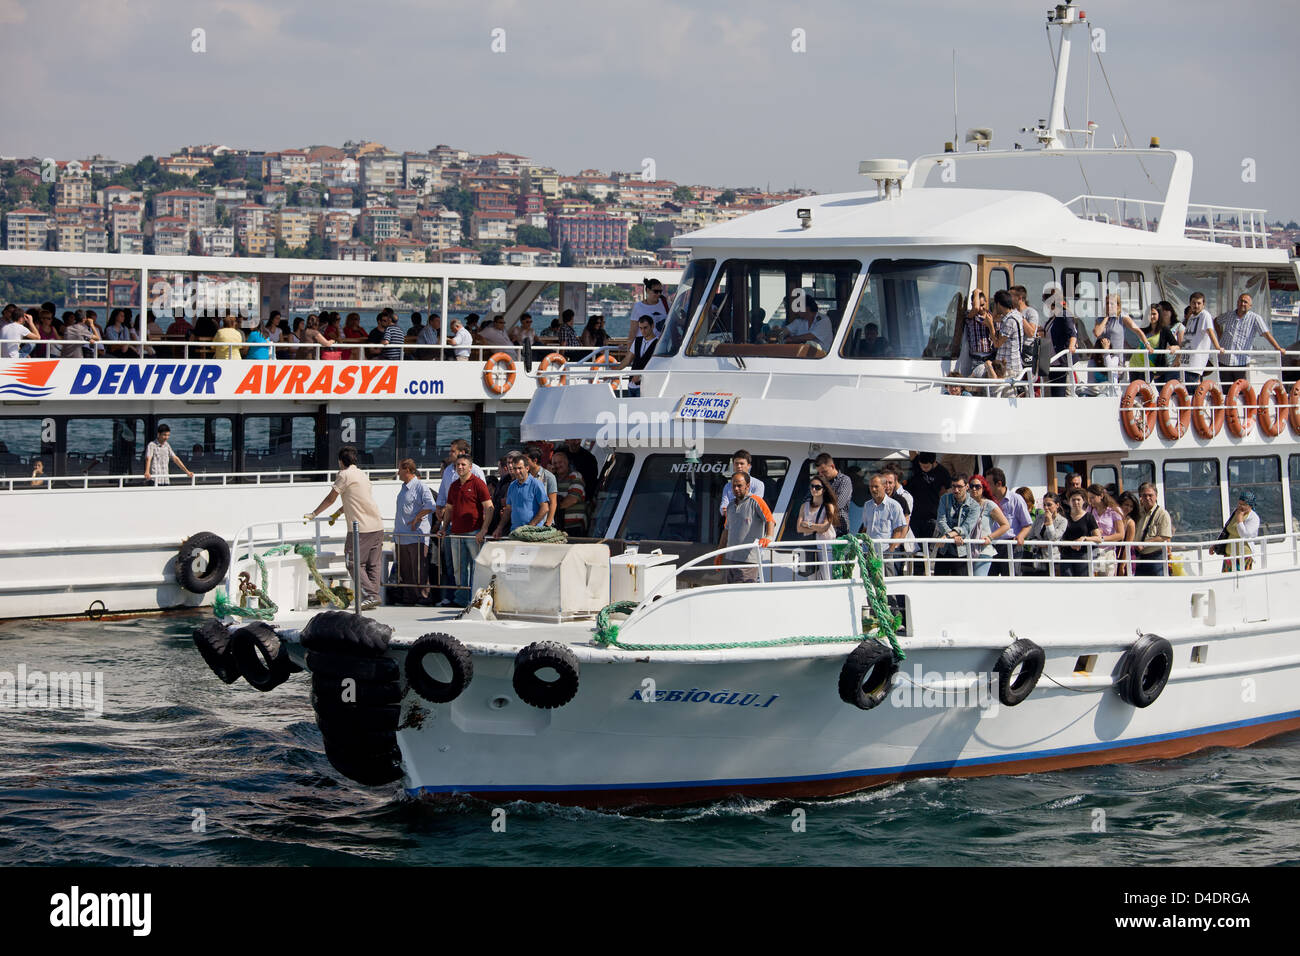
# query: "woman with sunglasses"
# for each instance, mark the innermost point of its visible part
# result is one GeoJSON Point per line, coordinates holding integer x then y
{"type": "Point", "coordinates": [992, 523]}
{"type": "Point", "coordinates": [653, 306]}
{"type": "Point", "coordinates": [818, 516]}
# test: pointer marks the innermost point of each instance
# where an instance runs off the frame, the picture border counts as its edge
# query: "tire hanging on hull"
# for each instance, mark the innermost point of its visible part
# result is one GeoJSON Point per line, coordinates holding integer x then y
{"type": "Point", "coordinates": [1144, 670]}
{"type": "Point", "coordinates": [201, 582]}
{"type": "Point", "coordinates": [1019, 667]}
{"type": "Point", "coordinates": [867, 675]}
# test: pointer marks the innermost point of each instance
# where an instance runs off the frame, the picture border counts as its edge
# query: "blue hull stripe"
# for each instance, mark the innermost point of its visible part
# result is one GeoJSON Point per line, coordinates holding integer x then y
{"type": "Point", "coordinates": [874, 772]}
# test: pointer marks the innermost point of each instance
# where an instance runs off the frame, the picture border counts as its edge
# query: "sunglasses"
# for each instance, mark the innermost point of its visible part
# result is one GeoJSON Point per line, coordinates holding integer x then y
{"type": "Point", "coordinates": [818, 487]}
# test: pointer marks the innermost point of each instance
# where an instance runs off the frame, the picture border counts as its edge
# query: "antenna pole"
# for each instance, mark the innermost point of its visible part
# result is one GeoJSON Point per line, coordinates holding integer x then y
{"type": "Point", "coordinates": [956, 140]}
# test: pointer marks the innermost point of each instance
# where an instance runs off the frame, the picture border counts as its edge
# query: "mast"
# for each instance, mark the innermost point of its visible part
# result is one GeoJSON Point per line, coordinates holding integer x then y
{"type": "Point", "coordinates": [1065, 16]}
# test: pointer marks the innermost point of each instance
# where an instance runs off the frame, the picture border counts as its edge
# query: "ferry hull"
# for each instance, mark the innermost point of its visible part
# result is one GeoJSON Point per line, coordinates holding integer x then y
{"type": "Point", "coordinates": [607, 748]}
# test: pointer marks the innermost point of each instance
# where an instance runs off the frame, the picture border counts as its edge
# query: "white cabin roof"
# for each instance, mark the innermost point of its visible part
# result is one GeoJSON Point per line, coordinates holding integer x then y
{"type": "Point", "coordinates": [950, 216]}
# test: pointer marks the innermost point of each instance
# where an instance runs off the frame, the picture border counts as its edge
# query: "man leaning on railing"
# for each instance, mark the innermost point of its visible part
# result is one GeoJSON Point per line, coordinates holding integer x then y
{"type": "Point", "coordinates": [1155, 529]}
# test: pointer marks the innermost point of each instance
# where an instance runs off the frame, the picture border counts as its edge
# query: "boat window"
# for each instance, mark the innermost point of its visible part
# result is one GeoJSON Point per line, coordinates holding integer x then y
{"type": "Point", "coordinates": [776, 308]}
{"type": "Point", "coordinates": [1133, 473]}
{"type": "Point", "coordinates": [690, 290]}
{"type": "Point", "coordinates": [105, 446]}
{"type": "Point", "coordinates": [503, 434]}
{"type": "Point", "coordinates": [1130, 287]}
{"type": "Point", "coordinates": [998, 281]}
{"type": "Point", "coordinates": [205, 443]}
{"type": "Point", "coordinates": [1293, 477]}
{"type": "Point", "coordinates": [1036, 280]}
{"type": "Point", "coordinates": [676, 499]}
{"type": "Point", "coordinates": [609, 489]}
{"type": "Point", "coordinates": [377, 443]}
{"type": "Point", "coordinates": [1193, 498]}
{"type": "Point", "coordinates": [1082, 290]}
{"type": "Point", "coordinates": [1263, 476]}
{"type": "Point", "coordinates": [426, 436]}
{"type": "Point", "coordinates": [280, 443]}
{"type": "Point", "coordinates": [1178, 284]}
{"type": "Point", "coordinates": [21, 446]}
{"type": "Point", "coordinates": [908, 309]}
{"type": "Point", "coordinates": [859, 471]}
{"type": "Point", "coordinates": [1106, 476]}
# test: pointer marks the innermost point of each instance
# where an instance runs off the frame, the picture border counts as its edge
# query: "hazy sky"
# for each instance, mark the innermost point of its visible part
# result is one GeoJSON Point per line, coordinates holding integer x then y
{"type": "Point", "coordinates": [713, 92]}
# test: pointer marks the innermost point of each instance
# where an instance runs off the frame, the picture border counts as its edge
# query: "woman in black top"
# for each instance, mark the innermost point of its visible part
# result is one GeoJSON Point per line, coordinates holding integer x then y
{"type": "Point", "coordinates": [1162, 337]}
{"type": "Point", "coordinates": [1080, 526]}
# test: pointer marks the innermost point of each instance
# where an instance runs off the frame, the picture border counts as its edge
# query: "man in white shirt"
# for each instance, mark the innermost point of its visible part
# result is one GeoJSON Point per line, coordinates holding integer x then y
{"type": "Point", "coordinates": [807, 324]}
{"type": "Point", "coordinates": [19, 327]}
{"type": "Point", "coordinates": [741, 461]}
{"type": "Point", "coordinates": [1200, 338]}
{"type": "Point", "coordinates": [461, 340]}
{"type": "Point", "coordinates": [882, 517]}
{"type": "Point", "coordinates": [1028, 314]}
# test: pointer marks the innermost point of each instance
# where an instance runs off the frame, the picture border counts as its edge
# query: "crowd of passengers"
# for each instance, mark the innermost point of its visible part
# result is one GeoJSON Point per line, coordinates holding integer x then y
{"type": "Point", "coordinates": [1001, 337]}
{"type": "Point", "coordinates": [988, 529]}
{"type": "Point", "coordinates": [39, 332]}
{"type": "Point", "coordinates": [437, 534]}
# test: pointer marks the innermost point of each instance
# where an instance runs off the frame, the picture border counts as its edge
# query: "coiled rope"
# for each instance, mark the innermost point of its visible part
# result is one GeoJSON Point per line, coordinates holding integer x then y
{"type": "Point", "coordinates": [222, 606]}
{"type": "Point", "coordinates": [851, 547]}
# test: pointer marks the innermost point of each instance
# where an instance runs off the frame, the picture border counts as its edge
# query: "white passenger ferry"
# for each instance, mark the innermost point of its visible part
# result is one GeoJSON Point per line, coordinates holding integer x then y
{"type": "Point", "coordinates": [87, 533]}
{"type": "Point", "coordinates": [599, 673]}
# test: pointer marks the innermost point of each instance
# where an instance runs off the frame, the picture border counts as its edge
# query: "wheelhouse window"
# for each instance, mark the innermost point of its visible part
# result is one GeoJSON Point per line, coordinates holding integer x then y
{"type": "Point", "coordinates": [774, 308]}
{"type": "Point", "coordinates": [1263, 476]}
{"type": "Point", "coordinates": [908, 309]}
{"type": "Point", "coordinates": [1192, 498]}
{"type": "Point", "coordinates": [690, 290]}
{"type": "Point", "coordinates": [676, 499]}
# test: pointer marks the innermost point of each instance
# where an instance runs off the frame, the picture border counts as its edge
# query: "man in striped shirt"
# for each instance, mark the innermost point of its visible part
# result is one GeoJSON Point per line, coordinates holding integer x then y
{"type": "Point", "coordinates": [391, 335]}
{"type": "Point", "coordinates": [1239, 331]}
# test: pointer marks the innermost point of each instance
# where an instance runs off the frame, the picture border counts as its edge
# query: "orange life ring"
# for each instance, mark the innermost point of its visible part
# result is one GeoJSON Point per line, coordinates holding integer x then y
{"type": "Point", "coordinates": [1273, 406]}
{"type": "Point", "coordinates": [1174, 428]}
{"type": "Point", "coordinates": [545, 365]}
{"type": "Point", "coordinates": [1295, 409]}
{"type": "Point", "coordinates": [1241, 414]}
{"type": "Point", "coordinates": [499, 380]}
{"type": "Point", "coordinates": [1138, 415]}
{"type": "Point", "coordinates": [1207, 428]}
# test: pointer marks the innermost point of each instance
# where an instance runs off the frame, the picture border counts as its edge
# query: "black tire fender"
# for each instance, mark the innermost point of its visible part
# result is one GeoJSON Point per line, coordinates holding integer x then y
{"type": "Point", "coordinates": [361, 669]}
{"type": "Point", "coordinates": [1144, 670]}
{"type": "Point", "coordinates": [372, 761]}
{"type": "Point", "coordinates": [1024, 654]}
{"type": "Point", "coordinates": [329, 693]}
{"type": "Point", "coordinates": [458, 659]}
{"type": "Point", "coordinates": [543, 694]}
{"type": "Point", "coordinates": [262, 657]}
{"type": "Point", "coordinates": [212, 639]}
{"type": "Point", "coordinates": [342, 632]}
{"type": "Point", "coordinates": [343, 719]}
{"type": "Point", "coordinates": [218, 562]}
{"type": "Point", "coordinates": [867, 675]}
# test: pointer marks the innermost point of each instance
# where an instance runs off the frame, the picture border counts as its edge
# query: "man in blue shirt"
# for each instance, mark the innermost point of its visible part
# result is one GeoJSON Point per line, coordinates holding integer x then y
{"type": "Point", "coordinates": [1017, 515]}
{"type": "Point", "coordinates": [526, 501]}
{"type": "Point", "coordinates": [411, 529]}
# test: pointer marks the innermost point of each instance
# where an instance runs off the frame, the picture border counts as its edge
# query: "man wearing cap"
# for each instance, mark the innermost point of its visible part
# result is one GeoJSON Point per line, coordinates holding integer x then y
{"type": "Point", "coordinates": [1243, 527]}
{"type": "Point", "coordinates": [928, 482]}
{"type": "Point", "coordinates": [1154, 526]}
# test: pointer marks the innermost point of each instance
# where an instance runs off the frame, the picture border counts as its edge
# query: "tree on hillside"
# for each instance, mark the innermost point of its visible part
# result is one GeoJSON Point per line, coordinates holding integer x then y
{"type": "Point", "coordinates": [642, 236]}
{"type": "Point", "coordinates": [727, 197]}
{"type": "Point", "coordinates": [566, 255]}
{"type": "Point", "coordinates": [683, 194]}
{"type": "Point", "coordinates": [533, 236]}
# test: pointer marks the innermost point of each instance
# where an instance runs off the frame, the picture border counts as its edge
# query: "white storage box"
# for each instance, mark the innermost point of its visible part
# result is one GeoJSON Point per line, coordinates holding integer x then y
{"type": "Point", "coordinates": [286, 580]}
{"type": "Point", "coordinates": [554, 582]}
{"type": "Point", "coordinates": [635, 576]}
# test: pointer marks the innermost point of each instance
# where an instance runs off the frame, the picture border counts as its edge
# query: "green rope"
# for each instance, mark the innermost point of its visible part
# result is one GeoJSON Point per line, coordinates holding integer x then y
{"type": "Point", "coordinates": [222, 606]}
{"type": "Point", "coordinates": [538, 534]}
{"type": "Point", "coordinates": [869, 565]}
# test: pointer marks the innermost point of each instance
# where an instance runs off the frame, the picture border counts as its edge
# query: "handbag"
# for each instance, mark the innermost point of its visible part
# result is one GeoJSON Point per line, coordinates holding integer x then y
{"type": "Point", "coordinates": [1222, 549]}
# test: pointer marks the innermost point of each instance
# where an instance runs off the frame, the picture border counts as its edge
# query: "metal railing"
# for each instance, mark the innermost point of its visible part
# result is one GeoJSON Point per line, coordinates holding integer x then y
{"type": "Point", "coordinates": [1245, 227]}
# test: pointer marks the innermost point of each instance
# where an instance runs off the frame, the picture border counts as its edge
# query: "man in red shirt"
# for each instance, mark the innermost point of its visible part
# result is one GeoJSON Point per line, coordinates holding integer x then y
{"type": "Point", "coordinates": [467, 517]}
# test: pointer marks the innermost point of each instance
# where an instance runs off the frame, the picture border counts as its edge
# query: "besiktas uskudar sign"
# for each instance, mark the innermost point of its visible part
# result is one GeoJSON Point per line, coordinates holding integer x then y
{"type": "Point", "coordinates": [706, 406]}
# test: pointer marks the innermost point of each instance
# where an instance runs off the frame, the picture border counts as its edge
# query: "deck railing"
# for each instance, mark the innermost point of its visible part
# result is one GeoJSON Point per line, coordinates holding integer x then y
{"type": "Point", "coordinates": [1239, 226]}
